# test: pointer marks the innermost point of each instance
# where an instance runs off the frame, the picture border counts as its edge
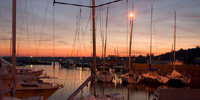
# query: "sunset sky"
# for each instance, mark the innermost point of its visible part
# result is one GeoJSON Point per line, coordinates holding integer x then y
{"type": "Point", "coordinates": [35, 27]}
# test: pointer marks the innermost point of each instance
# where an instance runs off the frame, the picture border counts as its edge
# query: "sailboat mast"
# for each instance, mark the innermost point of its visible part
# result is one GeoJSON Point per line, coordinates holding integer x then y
{"type": "Point", "coordinates": [105, 40]}
{"type": "Point", "coordinates": [174, 39]}
{"type": "Point", "coordinates": [171, 56]}
{"type": "Point", "coordinates": [130, 43]}
{"type": "Point", "coordinates": [94, 46]}
{"type": "Point", "coordinates": [127, 26]}
{"type": "Point", "coordinates": [53, 38]}
{"type": "Point", "coordinates": [151, 36]}
{"type": "Point", "coordinates": [13, 47]}
{"type": "Point", "coordinates": [10, 47]}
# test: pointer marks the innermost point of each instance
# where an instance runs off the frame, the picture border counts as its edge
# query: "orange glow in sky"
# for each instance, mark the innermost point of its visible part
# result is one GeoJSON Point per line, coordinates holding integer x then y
{"type": "Point", "coordinates": [73, 29]}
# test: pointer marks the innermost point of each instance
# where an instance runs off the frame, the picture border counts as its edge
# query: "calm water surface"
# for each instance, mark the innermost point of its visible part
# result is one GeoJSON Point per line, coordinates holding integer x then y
{"type": "Point", "coordinates": [73, 78]}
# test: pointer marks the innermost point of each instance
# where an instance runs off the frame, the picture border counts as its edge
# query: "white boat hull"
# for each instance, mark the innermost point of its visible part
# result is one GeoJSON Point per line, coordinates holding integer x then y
{"type": "Point", "coordinates": [175, 78]}
{"type": "Point", "coordinates": [104, 77]}
{"type": "Point", "coordinates": [25, 90]}
{"type": "Point", "coordinates": [153, 77]}
{"type": "Point", "coordinates": [130, 79]}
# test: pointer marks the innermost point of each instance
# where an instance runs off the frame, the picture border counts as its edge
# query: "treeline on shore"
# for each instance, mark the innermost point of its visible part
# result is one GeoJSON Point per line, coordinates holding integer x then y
{"type": "Point", "coordinates": [188, 57]}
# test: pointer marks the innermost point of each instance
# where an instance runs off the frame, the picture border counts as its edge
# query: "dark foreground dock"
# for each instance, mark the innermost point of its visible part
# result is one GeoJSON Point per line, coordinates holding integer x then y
{"type": "Point", "coordinates": [178, 94]}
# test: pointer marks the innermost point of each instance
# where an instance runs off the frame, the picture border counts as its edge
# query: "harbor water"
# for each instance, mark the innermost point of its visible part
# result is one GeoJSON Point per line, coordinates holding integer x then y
{"type": "Point", "coordinates": [73, 78]}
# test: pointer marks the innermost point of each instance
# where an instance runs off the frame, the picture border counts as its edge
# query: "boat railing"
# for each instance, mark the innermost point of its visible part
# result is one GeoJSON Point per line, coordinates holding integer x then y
{"type": "Point", "coordinates": [81, 87]}
{"type": "Point", "coordinates": [4, 66]}
{"type": "Point", "coordinates": [5, 63]}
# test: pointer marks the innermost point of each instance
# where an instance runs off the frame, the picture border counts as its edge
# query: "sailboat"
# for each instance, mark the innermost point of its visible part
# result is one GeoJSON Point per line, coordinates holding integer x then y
{"type": "Point", "coordinates": [6, 66]}
{"type": "Point", "coordinates": [103, 75]}
{"type": "Point", "coordinates": [93, 69]}
{"type": "Point", "coordinates": [26, 85]}
{"type": "Point", "coordinates": [21, 76]}
{"type": "Point", "coordinates": [175, 78]}
{"type": "Point", "coordinates": [2, 91]}
{"type": "Point", "coordinates": [20, 89]}
{"type": "Point", "coordinates": [130, 77]}
{"type": "Point", "coordinates": [26, 71]}
{"type": "Point", "coordinates": [152, 76]}
{"type": "Point", "coordinates": [68, 63]}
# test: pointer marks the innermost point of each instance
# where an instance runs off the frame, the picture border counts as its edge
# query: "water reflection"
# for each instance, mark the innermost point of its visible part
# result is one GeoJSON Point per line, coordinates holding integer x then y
{"type": "Point", "coordinates": [73, 78]}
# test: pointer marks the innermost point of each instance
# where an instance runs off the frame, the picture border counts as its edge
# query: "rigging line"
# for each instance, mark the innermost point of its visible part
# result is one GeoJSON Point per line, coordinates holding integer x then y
{"type": "Point", "coordinates": [42, 27]}
{"type": "Point", "coordinates": [174, 39]}
{"type": "Point", "coordinates": [69, 82]}
{"type": "Point", "coordinates": [155, 34]}
{"type": "Point", "coordinates": [106, 30]}
{"type": "Point", "coordinates": [54, 76]}
{"type": "Point", "coordinates": [85, 5]}
{"type": "Point", "coordinates": [87, 24]}
{"type": "Point", "coordinates": [99, 24]}
{"type": "Point", "coordinates": [73, 46]}
{"type": "Point", "coordinates": [84, 48]}
{"type": "Point", "coordinates": [80, 30]}
{"type": "Point", "coordinates": [101, 30]}
{"type": "Point", "coordinates": [91, 30]}
{"type": "Point", "coordinates": [32, 16]}
{"type": "Point", "coordinates": [104, 57]}
{"type": "Point", "coordinates": [11, 47]}
{"type": "Point", "coordinates": [72, 4]}
{"type": "Point", "coordinates": [132, 40]}
{"type": "Point", "coordinates": [108, 3]}
{"type": "Point", "coordinates": [151, 35]}
{"type": "Point", "coordinates": [74, 80]}
{"type": "Point", "coordinates": [2, 25]}
{"type": "Point", "coordinates": [78, 48]}
{"type": "Point", "coordinates": [33, 25]}
{"type": "Point", "coordinates": [19, 40]}
{"type": "Point", "coordinates": [76, 31]}
{"type": "Point", "coordinates": [83, 42]}
{"type": "Point", "coordinates": [79, 26]}
{"type": "Point", "coordinates": [103, 34]}
{"type": "Point", "coordinates": [83, 37]}
{"type": "Point", "coordinates": [66, 77]}
{"type": "Point", "coordinates": [54, 39]}
{"type": "Point", "coordinates": [27, 27]}
{"type": "Point", "coordinates": [53, 36]}
{"type": "Point", "coordinates": [103, 42]}
{"type": "Point", "coordinates": [63, 96]}
{"type": "Point", "coordinates": [85, 32]}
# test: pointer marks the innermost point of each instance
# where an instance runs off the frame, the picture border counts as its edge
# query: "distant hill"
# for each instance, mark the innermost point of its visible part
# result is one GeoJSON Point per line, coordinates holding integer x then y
{"type": "Point", "coordinates": [189, 56]}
